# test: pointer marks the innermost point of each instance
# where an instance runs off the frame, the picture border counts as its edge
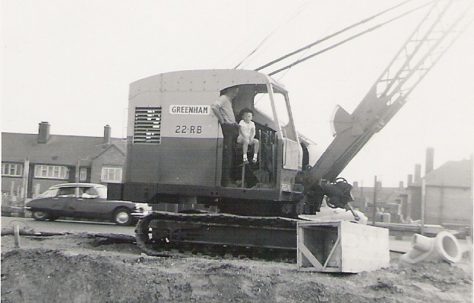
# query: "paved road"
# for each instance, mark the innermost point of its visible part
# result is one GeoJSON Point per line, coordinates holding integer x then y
{"type": "Point", "coordinates": [67, 226]}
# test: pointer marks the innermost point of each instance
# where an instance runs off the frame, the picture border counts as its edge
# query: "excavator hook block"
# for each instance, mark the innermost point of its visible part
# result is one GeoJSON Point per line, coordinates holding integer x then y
{"type": "Point", "coordinates": [341, 246]}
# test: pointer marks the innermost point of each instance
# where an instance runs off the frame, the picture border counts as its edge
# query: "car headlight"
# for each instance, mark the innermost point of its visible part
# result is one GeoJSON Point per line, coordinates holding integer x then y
{"type": "Point", "coordinates": [142, 207]}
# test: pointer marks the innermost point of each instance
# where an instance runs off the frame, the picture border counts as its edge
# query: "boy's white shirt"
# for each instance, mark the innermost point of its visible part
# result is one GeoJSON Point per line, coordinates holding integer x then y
{"type": "Point", "coordinates": [247, 129]}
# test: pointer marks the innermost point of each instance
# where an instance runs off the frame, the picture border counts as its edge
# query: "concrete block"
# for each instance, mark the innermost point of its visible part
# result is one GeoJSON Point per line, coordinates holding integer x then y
{"type": "Point", "coordinates": [341, 246]}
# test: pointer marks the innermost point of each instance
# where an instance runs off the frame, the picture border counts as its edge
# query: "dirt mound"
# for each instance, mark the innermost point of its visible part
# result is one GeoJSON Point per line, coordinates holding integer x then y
{"type": "Point", "coordinates": [79, 269]}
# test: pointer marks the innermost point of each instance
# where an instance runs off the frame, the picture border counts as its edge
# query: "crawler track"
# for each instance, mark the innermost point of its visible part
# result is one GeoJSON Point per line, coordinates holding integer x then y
{"type": "Point", "coordinates": [218, 234]}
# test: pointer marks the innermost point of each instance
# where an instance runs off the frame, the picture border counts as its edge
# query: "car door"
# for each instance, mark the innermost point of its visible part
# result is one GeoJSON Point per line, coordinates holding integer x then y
{"type": "Point", "coordinates": [64, 198]}
{"type": "Point", "coordinates": [89, 204]}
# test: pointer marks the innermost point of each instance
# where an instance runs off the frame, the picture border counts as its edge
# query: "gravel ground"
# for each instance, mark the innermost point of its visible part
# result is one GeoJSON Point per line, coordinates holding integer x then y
{"type": "Point", "coordinates": [81, 268]}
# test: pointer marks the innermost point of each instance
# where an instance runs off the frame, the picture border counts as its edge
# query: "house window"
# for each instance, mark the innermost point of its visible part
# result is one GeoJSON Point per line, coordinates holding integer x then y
{"type": "Point", "coordinates": [83, 174]}
{"type": "Point", "coordinates": [111, 174]}
{"type": "Point", "coordinates": [147, 125]}
{"type": "Point", "coordinates": [51, 172]}
{"type": "Point", "coordinates": [12, 169]}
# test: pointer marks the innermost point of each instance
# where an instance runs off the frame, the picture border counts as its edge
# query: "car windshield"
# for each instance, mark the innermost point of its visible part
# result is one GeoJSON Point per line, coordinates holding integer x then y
{"type": "Point", "coordinates": [67, 192]}
{"type": "Point", "coordinates": [102, 192]}
{"type": "Point", "coordinates": [93, 192]}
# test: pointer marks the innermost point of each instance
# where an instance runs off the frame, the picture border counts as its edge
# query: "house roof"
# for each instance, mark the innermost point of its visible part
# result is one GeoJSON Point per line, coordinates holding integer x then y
{"type": "Point", "coordinates": [60, 149]}
{"type": "Point", "coordinates": [104, 150]}
{"type": "Point", "coordinates": [451, 173]}
{"type": "Point", "coordinates": [384, 194]}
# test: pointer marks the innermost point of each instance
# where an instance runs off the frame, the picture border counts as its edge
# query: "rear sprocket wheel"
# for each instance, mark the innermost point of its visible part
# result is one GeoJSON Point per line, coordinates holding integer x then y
{"type": "Point", "coordinates": [145, 239]}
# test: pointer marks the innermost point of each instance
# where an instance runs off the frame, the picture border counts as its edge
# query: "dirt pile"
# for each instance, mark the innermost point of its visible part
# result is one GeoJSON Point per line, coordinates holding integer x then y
{"type": "Point", "coordinates": [82, 269]}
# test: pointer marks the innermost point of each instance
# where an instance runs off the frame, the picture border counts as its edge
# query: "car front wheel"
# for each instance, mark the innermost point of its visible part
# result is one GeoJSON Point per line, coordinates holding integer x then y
{"type": "Point", "coordinates": [122, 217]}
{"type": "Point", "coordinates": [40, 215]}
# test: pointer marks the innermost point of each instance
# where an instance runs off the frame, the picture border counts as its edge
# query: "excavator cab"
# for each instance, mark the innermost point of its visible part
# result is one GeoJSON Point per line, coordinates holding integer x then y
{"type": "Point", "coordinates": [176, 147]}
{"type": "Point", "coordinates": [274, 127]}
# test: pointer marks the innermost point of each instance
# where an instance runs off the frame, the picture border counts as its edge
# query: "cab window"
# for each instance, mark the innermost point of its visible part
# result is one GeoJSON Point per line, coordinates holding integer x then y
{"type": "Point", "coordinates": [262, 103]}
{"type": "Point", "coordinates": [281, 107]}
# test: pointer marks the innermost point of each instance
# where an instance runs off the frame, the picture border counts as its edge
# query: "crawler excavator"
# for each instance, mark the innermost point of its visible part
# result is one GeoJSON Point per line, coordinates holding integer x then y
{"type": "Point", "coordinates": [176, 150]}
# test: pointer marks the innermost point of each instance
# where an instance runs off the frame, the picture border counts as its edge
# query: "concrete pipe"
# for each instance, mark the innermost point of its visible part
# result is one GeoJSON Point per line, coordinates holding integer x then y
{"type": "Point", "coordinates": [442, 247]}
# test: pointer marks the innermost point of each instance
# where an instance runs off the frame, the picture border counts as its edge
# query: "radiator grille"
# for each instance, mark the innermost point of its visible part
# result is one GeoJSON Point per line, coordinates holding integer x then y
{"type": "Point", "coordinates": [147, 127]}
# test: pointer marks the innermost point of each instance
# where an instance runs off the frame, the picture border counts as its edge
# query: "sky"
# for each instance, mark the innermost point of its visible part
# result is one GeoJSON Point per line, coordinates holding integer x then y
{"type": "Point", "coordinates": [70, 62]}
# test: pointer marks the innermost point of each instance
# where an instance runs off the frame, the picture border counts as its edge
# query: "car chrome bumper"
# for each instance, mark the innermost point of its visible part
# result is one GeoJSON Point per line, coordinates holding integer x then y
{"type": "Point", "coordinates": [140, 214]}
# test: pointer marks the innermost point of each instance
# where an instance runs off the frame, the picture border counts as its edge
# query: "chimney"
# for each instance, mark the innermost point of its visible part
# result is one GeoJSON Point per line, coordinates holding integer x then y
{"type": "Point", "coordinates": [417, 173]}
{"type": "Point", "coordinates": [355, 184]}
{"type": "Point", "coordinates": [107, 132]}
{"type": "Point", "coordinates": [43, 132]}
{"type": "Point", "coordinates": [410, 180]}
{"type": "Point", "coordinates": [429, 160]}
{"type": "Point", "coordinates": [401, 185]}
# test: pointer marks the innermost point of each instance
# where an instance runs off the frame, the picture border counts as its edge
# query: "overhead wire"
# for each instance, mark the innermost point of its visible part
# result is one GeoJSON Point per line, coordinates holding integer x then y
{"type": "Point", "coordinates": [298, 12]}
{"type": "Point", "coordinates": [333, 35]}
{"type": "Point", "coordinates": [338, 43]}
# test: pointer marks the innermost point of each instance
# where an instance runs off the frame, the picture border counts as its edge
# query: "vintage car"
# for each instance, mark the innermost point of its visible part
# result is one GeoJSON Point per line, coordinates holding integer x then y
{"type": "Point", "coordinates": [84, 200]}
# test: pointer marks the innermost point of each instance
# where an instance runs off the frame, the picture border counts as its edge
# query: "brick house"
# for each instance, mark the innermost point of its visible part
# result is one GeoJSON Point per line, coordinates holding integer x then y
{"type": "Point", "coordinates": [448, 194]}
{"type": "Point", "coordinates": [33, 162]}
{"type": "Point", "coordinates": [389, 200]}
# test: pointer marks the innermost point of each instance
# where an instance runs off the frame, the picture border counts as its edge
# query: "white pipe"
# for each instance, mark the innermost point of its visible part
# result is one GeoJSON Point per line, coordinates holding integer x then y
{"type": "Point", "coordinates": [442, 247]}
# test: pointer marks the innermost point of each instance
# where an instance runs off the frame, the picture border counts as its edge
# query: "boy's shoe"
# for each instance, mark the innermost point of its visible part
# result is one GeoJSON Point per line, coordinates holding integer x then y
{"type": "Point", "coordinates": [245, 161]}
{"type": "Point", "coordinates": [255, 159]}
